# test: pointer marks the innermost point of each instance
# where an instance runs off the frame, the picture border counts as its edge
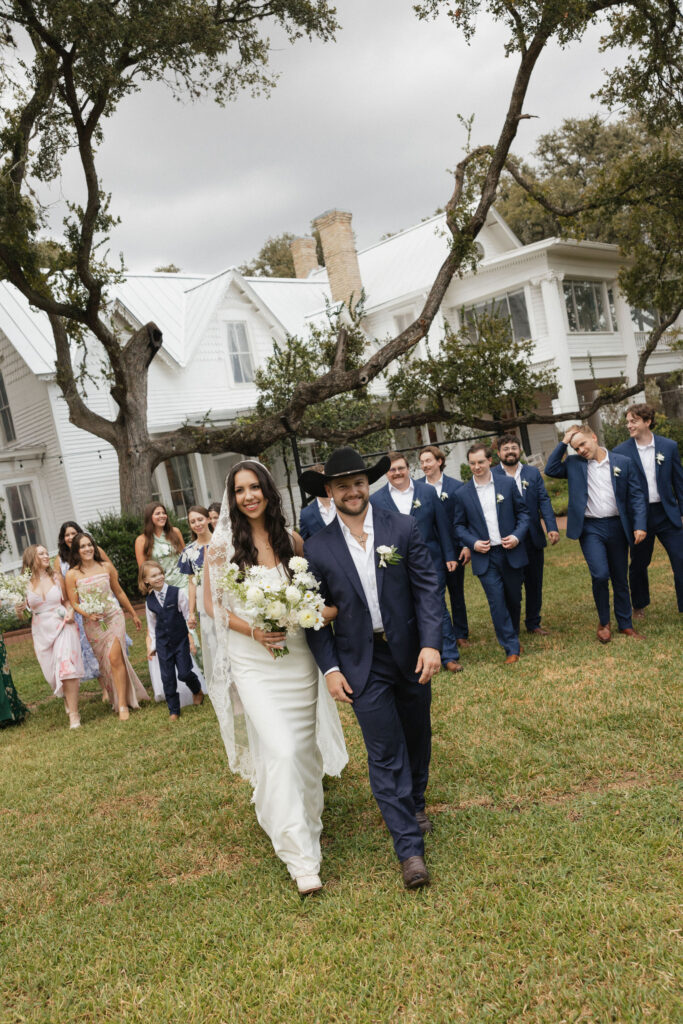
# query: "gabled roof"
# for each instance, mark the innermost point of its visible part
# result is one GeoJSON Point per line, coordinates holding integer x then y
{"type": "Point", "coordinates": [159, 298]}
{"type": "Point", "coordinates": [27, 329]}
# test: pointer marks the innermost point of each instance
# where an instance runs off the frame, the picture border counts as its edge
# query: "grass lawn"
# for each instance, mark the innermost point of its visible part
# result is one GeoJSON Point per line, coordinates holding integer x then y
{"type": "Point", "coordinates": [137, 886]}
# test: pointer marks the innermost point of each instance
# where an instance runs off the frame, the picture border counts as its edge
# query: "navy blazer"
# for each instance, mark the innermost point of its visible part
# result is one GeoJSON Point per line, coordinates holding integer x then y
{"type": "Point", "coordinates": [668, 472]}
{"type": "Point", "coordinates": [537, 502]}
{"type": "Point", "coordinates": [310, 520]}
{"type": "Point", "coordinates": [449, 486]}
{"type": "Point", "coordinates": [430, 516]}
{"type": "Point", "coordinates": [408, 592]}
{"type": "Point", "coordinates": [628, 491]}
{"type": "Point", "coordinates": [513, 518]}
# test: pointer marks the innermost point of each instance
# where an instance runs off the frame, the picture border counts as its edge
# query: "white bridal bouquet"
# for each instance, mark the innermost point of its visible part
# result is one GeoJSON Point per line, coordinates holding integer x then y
{"type": "Point", "coordinates": [287, 605]}
{"type": "Point", "coordinates": [13, 588]}
{"type": "Point", "coordinates": [95, 603]}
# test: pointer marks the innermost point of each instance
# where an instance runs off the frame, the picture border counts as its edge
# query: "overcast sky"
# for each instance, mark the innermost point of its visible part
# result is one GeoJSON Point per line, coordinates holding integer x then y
{"type": "Point", "coordinates": [366, 124]}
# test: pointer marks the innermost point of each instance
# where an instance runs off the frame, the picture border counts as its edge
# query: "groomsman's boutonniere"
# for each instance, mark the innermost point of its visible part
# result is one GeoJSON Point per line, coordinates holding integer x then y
{"type": "Point", "coordinates": [525, 484]}
{"type": "Point", "coordinates": [617, 470]}
{"type": "Point", "coordinates": [388, 555]}
{"type": "Point", "coordinates": [417, 503]}
{"type": "Point", "coordinates": [444, 496]}
{"type": "Point", "coordinates": [500, 497]}
{"type": "Point", "coordinates": [660, 456]}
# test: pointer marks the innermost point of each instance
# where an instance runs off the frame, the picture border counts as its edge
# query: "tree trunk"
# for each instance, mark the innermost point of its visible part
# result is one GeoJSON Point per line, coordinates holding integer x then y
{"type": "Point", "coordinates": [136, 466]}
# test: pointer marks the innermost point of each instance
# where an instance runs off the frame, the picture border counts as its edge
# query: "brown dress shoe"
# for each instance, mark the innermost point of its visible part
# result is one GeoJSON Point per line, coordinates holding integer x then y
{"type": "Point", "coordinates": [632, 633]}
{"type": "Point", "coordinates": [638, 613]}
{"type": "Point", "coordinates": [462, 641]}
{"type": "Point", "coordinates": [454, 666]}
{"type": "Point", "coordinates": [415, 873]}
{"type": "Point", "coordinates": [539, 631]}
{"type": "Point", "coordinates": [511, 659]}
{"type": "Point", "coordinates": [424, 822]}
{"type": "Point", "coordinates": [604, 634]}
{"type": "Point", "coordinates": [198, 698]}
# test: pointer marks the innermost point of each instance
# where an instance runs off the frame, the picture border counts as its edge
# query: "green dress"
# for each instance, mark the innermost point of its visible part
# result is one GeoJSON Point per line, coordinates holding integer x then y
{"type": "Point", "coordinates": [12, 710]}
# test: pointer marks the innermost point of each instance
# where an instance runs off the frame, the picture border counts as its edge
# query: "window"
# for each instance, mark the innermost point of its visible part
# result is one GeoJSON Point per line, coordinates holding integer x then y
{"type": "Point", "coordinates": [644, 320]}
{"type": "Point", "coordinates": [241, 362]}
{"type": "Point", "coordinates": [512, 305]}
{"type": "Point", "coordinates": [587, 306]}
{"type": "Point", "coordinates": [5, 415]}
{"type": "Point", "coordinates": [181, 484]}
{"type": "Point", "coordinates": [22, 510]}
{"type": "Point", "coordinates": [403, 320]}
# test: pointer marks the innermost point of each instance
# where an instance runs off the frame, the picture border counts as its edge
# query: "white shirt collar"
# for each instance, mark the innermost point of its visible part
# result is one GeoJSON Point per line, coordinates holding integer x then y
{"type": "Point", "coordinates": [367, 524]}
{"type": "Point", "coordinates": [650, 444]}
{"type": "Point", "coordinates": [477, 484]}
{"type": "Point", "coordinates": [406, 490]}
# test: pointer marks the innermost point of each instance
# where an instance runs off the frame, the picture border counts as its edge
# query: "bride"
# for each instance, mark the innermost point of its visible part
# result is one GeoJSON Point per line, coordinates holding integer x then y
{"type": "Point", "coordinates": [279, 724]}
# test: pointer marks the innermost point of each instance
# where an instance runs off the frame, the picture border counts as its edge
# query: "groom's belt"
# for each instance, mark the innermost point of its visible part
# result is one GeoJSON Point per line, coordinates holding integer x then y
{"type": "Point", "coordinates": [380, 636]}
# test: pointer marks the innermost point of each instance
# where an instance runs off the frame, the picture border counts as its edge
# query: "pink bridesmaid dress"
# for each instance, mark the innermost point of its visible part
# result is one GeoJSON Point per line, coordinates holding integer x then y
{"type": "Point", "coordinates": [56, 641]}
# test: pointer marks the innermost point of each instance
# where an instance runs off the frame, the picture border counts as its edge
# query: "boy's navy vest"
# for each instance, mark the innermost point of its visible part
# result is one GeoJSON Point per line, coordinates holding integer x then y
{"type": "Point", "coordinates": [171, 627]}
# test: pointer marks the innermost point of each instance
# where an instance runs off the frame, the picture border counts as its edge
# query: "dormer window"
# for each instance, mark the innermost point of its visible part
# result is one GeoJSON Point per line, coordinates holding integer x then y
{"type": "Point", "coordinates": [239, 352]}
{"type": "Point", "coordinates": [6, 421]}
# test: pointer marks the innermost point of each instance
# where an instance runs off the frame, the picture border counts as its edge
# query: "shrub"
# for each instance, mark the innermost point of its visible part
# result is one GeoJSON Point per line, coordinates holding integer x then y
{"type": "Point", "coordinates": [558, 491]}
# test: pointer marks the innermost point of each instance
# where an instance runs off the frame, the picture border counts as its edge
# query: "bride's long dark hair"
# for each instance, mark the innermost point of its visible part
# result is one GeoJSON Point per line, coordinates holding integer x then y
{"type": "Point", "coordinates": [245, 554]}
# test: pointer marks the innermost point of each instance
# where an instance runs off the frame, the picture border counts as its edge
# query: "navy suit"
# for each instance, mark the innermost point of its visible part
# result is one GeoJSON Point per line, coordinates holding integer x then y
{"type": "Point", "coordinates": [604, 542]}
{"type": "Point", "coordinates": [663, 518]}
{"type": "Point", "coordinates": [392, 708]}
{"type": "Point", "coordinates": [539, 507]}
{"type": "Point", "coordinates": [500, 570]}
{"type": "Point", "coordinates": [435, 526]}
{"type": "Point", "coordinates": [172, 647]}
{"type": "Point", "coordinates": [310, 520]}
{"type": "Point", "coordinates": [455, 579]}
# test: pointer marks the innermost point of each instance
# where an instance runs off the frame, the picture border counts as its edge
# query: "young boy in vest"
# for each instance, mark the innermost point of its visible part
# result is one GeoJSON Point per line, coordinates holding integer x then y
{"type": "Point", "coordinates": [167, 635]}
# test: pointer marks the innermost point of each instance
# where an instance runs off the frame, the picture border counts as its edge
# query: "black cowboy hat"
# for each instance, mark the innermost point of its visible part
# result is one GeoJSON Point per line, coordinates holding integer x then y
{"type": "Point", "coordinates": [342, 462]}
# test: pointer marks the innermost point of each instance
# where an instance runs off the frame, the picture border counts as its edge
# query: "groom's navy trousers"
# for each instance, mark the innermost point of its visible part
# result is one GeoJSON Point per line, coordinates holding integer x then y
{"type": "Point", "coordinates": [392, 708]}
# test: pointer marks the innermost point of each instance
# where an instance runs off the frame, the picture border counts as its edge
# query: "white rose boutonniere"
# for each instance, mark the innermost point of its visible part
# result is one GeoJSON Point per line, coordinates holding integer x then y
{"type": "Point", "coordinates": [617, 470]}
{"type": "Point", "coordinates": [388, 555]}
{"type": "Point", "coordinates": [500, 497]}
{"type": "Point", "coordinates": [417, 503]}
{"type": "Point", "coordinates": [660, 456]}
{"type": "Point", "coordinates": [444, 496]}
{"type": "Point", "coordinates": [525, 484]}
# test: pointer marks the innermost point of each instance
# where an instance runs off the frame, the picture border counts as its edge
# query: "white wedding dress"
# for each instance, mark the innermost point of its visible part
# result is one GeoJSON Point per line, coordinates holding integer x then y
{"type": "Point", "coordinates": [280, 726]}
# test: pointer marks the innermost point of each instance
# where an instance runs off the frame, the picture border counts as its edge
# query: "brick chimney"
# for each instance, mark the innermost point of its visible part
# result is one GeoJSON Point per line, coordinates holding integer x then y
{"type": "Point", "coordinates": [339, 250]}
{"type": "Point", "coordinates": [304, 255]}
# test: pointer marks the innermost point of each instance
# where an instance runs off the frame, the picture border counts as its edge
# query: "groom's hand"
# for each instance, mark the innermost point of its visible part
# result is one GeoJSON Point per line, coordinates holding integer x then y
{"type": "Point", "coordinates": [428, 662]}
{"type": "Point", "coordinates": [338, 687]}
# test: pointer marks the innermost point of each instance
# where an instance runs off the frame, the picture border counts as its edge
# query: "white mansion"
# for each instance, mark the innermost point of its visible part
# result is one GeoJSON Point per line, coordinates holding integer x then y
{"type": "Point", "coordinates": [217, 329]}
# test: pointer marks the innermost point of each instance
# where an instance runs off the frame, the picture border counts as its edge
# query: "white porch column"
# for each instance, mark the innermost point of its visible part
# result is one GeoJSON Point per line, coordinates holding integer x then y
{"type": "Point", "coordinates": [200, 477]}
{"type": "Point", "coordinates": [625, 328]}
{"type": "Point", "coordinates": [553, 301]}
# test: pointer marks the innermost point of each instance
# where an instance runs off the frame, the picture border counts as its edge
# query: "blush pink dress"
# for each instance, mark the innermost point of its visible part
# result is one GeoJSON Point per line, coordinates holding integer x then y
{"type": "Point", "coordinates": [56, 641]}
{"type": "Point", "coordinates": [101, 635]}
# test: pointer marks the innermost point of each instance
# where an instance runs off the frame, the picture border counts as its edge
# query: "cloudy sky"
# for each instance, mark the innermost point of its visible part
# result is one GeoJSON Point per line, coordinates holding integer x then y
{"type": "Point", "coordinates": [367, 124]}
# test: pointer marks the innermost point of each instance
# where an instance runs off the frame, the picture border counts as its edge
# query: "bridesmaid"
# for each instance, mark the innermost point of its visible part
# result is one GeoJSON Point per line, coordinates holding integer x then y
{"type": "Point", "coordinates": [191, 563]}
{"type": "Point", "coordinates": [214, 513]}
{"type": "Point", "coordinates": [106, 632]}
{"type": "Point", "coordinates": [62, 563]}
{"type": "Point", "coordinates": [12, 709]}
{"type": "Point", "coordinates": [54, 632]}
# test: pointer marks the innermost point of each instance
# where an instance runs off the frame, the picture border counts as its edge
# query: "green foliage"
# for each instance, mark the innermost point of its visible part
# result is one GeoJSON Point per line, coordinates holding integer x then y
{"type": "Point", "coordinates": [468, 378]}
{"type": "Point", "coordinates": [116, 535]}
{"type": "Point", "coordinates": [274, 258]}
{"type": "Point", "coordinates": [558, 491]}
{"type": "Point", "coordinates": [465, 472]}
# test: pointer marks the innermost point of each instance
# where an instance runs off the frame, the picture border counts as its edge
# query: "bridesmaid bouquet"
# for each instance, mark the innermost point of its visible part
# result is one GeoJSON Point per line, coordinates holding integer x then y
{"type": "Point", "coordinates": [288, 605]}
{"type": "Point", "coordinates": [94, 603]}
{"type": "Point", "coordinates": [13, 589]}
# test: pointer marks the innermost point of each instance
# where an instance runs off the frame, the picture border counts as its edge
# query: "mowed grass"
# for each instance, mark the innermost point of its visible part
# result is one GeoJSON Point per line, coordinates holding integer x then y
{"type": "Point", "coordinates": [137, 885]}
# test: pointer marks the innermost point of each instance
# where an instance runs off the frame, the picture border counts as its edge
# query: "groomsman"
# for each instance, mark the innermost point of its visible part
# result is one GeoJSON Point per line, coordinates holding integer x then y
{"type": "Point", "coordinates": [384, 648]}
{"type": "Point", "coordinates": [658, 465]}
{"type": "Point", "coordinates": [492, 520]}
{"type": "Point", "coordinates": [317, 514]}
{"type": "Point", "coordinates": [607, 514]}
{"type": "Point", "coordinates": [417, 499]}
{"type": "Point", "coordinates": [532, 489]}
{"type": "Point", "coordinates": [432, 461]}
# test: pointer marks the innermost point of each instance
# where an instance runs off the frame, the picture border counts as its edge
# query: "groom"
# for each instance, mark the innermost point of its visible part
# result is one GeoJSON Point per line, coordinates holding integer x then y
{"type": "Point", "coordinates": [374, 566]}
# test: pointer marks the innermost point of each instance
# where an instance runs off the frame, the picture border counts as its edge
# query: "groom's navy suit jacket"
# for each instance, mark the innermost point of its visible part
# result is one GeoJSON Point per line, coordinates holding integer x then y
{"type": "Point", "coordinates": [628, 490]}
{"type": "Point", "coordinates": [408, 592]}
{"type": "Point", "coordinates": [668, 473]}
{"type": "Point", "coordinates": [430, 516]}
{"type": "Point", "coordinates": [513, 518]}
{"type": "Point", "coordinates": [537, 502]}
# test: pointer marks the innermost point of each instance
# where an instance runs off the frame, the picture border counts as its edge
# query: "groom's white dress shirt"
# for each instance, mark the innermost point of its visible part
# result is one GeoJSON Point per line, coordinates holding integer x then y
{"type": "Point", "coordinates": [601, 501]}
{"type": "Point", "coordinates": [487, 499]}
{"type": "Point", "coordinates": [647, 458]}
{"type": "Point", "coordinates": [403, 500]}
